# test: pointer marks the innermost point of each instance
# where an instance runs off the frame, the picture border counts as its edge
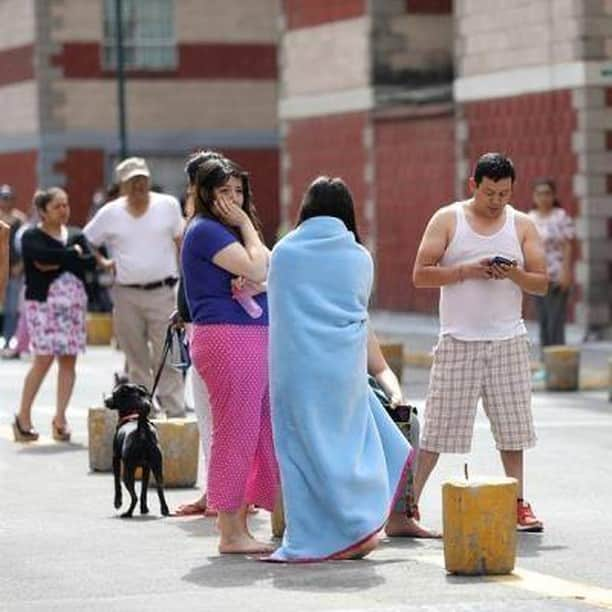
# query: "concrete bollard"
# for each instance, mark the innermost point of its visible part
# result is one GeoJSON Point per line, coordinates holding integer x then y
{"type": "Point", "coordinates": [99, 327]}
{"type": "Point", "coordinates": [394, 356]}
{"type": "Point", "coordinates": [101, 425]}
{"type": "Point", "coordinates": [480, 526]}
{"type": "Point", "coordinates": [277, 520]}
{"type": "Point", "coordinates": [179, 440]}
{"type": "Point", "coordinates": [562, 366]}
{"type": "Point", "coordinates": [180, 443]}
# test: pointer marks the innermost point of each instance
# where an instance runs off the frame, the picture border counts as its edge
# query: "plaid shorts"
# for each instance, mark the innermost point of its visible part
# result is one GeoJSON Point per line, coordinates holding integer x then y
{"type": "Point", "coordinates": [497, 371]}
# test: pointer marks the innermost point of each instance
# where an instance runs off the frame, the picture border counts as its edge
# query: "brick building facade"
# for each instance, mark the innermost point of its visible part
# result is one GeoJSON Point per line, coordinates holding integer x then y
{"type": "Point", "coordinates": [199, 74]}
{"type": "Point", "coordinates": [404, 95]}
{"type": "Point", "coordinates": [397, 96]}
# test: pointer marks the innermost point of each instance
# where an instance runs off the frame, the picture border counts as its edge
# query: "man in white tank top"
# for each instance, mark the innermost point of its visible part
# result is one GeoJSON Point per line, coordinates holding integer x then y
{"type": "Point", "coordinates": [483, 254]}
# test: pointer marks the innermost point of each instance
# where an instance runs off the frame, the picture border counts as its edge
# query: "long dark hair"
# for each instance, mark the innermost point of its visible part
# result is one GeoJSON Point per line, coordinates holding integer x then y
{"type": "Point", "coordinates": [545, 180]}
{"type": "Point", "coordinates": [196, 159]}
{"type": "Point", "coordinates": [213, 174]}
{"type": "Point", "coordinates": [329, 197]}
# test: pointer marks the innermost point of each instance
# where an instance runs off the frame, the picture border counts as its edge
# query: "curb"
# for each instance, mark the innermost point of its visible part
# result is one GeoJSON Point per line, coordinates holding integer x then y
{"type": "Point", "coordinates": [594, 380]}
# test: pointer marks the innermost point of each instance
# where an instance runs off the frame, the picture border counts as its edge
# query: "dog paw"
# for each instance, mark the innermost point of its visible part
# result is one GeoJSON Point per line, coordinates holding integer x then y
{"type": "Point", "coordinates": [165, 511]}
{"type": "Point", "coordinates": [144, 510]}
{"type": "Point", "coordinates": [127, 514]}
{"type": "Point", "coordinates": [117, 503]}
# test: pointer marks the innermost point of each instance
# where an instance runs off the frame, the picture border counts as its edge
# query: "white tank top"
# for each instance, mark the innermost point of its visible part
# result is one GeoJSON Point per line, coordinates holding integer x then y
{"type": "Point", "coordinates": [482, 309]}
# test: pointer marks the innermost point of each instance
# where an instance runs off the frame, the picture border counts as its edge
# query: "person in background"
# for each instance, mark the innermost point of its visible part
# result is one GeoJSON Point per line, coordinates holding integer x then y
{"type": "Point", "coordinates": [556, 229]}
{"type": "Point", "coordinates": [14, 218]}
{"type": "Point", "coordinates": [55, 258]}
{"type": "Point", "coordinates": [20, 343]}
{"type": "Point", "coordinates": [5, 232]}
{"type": "Point", "coordinates": [229, 347]}
{"type": "Point", "coordinates": [200, 393]}
{"type": "Point", "coordinates": [142, 230]}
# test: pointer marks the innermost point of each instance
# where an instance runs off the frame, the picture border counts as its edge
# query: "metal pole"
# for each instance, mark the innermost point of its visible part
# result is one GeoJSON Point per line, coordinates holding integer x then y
{"type": "Point", "coordinates": [123, 144]}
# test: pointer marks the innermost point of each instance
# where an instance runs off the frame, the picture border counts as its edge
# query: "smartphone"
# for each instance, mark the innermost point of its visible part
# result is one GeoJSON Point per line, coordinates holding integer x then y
{"type": "Point", "coordinates": [499, 260]}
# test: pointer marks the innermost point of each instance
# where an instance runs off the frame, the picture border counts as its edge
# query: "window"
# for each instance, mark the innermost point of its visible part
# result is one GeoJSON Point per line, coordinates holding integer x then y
{"type": "Point", "coordinates": [148, 35]}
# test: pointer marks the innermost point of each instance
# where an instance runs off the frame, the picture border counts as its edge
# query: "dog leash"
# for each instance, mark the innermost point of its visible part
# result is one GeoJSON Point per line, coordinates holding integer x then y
{"type": "Point", "coordinates": [165, 351]}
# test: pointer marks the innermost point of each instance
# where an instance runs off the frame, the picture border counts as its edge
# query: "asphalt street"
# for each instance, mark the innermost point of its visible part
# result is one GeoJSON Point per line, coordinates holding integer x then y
{"type": "Point", "coordinates": [62, 546]}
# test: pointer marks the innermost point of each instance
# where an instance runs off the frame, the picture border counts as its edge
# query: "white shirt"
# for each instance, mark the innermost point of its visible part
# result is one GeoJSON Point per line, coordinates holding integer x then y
{"type": "Point", "coordinates": [144, 247]}
{"type": "Point", "coordinates": [484, 309]}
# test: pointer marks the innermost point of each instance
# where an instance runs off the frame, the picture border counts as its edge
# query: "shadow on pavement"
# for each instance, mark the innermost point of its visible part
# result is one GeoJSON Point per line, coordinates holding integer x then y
{"type": "Point", "coordinates": [52, 449]}
{"type": "Point", "coordinates": [332, 576]}
{"type": "Point", "coordinates": [531, 545]}
{"type": "Point", "coordinates": [136, 518]}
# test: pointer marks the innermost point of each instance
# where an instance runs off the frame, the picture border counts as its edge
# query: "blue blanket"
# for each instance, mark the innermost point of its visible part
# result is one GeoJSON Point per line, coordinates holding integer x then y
{"type": "Point", "coordinates": [341, 458]}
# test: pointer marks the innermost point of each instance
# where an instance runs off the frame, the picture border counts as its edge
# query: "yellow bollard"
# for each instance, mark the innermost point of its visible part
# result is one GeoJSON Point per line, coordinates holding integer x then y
{"type": "Point", "coordinates": [562, 365]}
{"type": "Point", "coordinates": [277, 519]}
{"type": "Point", "coordinates": [99, 326]}
{"type": "Point", "coordinates": [101, 424]}
{"type": "Point", "coordinates": [179, 440]}
{"type": "Point", "coordinates": [180, 443]}
{"type": "Point", "coordinates": [394, 356]}
{"type": "Point", "coordinates": [480, 525]}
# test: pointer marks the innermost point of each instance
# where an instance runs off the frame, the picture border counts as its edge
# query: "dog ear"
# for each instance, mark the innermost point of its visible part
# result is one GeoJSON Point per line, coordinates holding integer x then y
{"type": "Point", "coordinates": [147, 407]}
{"type": "Point", "coordinates": [142, 390]}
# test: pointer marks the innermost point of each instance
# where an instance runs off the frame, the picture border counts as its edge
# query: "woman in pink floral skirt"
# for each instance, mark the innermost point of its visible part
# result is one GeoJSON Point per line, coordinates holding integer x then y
{"type": "Point", "coordinates": [55, 258]}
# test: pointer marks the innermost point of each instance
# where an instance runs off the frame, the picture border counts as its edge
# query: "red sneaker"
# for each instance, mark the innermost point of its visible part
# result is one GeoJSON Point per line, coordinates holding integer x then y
{"type": "Point", "coordinates": [525, 518]}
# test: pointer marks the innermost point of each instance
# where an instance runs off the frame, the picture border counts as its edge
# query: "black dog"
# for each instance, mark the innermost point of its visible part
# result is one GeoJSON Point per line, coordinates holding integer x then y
{"type": "Point", "coordinates": [136, 445]}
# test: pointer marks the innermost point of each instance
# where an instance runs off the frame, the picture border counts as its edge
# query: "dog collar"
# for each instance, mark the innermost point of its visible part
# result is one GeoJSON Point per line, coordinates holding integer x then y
{"type": "Point", "coordinates": [126, 419]}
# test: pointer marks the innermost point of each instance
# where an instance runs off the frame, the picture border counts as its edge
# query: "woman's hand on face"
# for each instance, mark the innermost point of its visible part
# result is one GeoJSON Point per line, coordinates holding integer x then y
{"type": "Point", "coordinates": [230, 213]}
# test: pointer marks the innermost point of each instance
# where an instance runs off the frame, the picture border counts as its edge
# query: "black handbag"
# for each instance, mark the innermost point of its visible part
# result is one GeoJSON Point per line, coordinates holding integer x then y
{"type": "Point", "coordinates": [404, 416]}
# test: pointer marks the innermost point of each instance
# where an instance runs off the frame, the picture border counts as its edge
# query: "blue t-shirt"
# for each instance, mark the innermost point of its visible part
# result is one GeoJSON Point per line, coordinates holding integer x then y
{"type": "Point", "coordinates": [207, 286]}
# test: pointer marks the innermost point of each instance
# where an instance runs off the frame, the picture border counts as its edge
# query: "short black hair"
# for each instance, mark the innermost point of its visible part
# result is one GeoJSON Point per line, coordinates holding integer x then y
{"type": "Point", "coordinates": [494, 166]}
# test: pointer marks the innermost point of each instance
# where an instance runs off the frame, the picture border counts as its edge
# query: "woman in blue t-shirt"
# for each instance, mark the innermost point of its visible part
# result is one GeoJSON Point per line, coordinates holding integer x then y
{"type": "Point", "coordinates": [224, 264]}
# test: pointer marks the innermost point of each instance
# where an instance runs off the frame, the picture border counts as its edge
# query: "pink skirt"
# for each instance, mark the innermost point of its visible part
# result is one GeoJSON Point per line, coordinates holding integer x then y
{"type": "Point", "coordinates": [233, 362]}
{"type": "Point", "coordinates": [57, 326]}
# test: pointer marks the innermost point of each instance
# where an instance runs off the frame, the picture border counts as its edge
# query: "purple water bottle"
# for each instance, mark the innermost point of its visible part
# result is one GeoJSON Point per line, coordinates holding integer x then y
{"type": "Point", "coordinates": [246, 300]}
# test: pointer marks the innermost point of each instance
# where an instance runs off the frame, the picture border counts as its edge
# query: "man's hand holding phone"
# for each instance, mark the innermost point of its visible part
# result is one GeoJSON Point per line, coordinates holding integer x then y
{"type": "Point", "coordinates": [502, 267]}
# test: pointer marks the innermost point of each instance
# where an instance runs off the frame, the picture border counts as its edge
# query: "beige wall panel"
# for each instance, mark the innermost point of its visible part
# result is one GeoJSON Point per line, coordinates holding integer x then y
{"type": "Point", "coordinates": [327, 58]}
{"type": "Point", "coordinates": [76, 20]}
{"type": "Point", "coordinates": [227, 20]}
{"type": "Point", "coordinates": [516, 34]}
{"type": "Point", "coordinates": [169, 105]}
{"type": "Point", "coordinates": [195, 20]}
{"type": "Point", "coordinates": [18, 23]}
{"type": "Point", "coordinates": [19, 108]}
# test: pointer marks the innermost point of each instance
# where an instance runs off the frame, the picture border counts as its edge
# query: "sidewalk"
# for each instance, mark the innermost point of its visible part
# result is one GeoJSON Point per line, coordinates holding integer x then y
{"type": "Point", "coordinates": [419, 334]}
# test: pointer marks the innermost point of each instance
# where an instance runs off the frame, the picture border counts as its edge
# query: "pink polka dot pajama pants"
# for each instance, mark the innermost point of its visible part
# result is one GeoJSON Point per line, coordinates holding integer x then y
{"type": "Point", "coordinates": [233, 362]}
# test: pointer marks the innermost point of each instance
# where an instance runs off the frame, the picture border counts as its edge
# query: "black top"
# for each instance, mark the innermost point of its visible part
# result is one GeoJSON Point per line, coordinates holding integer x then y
{"type": "Point", "coordinates": [38, 246]}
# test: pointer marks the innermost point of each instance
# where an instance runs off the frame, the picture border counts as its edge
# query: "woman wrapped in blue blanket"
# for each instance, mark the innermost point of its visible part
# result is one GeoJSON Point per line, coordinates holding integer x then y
{"type": "Point", "coordinates": [342, 460]}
